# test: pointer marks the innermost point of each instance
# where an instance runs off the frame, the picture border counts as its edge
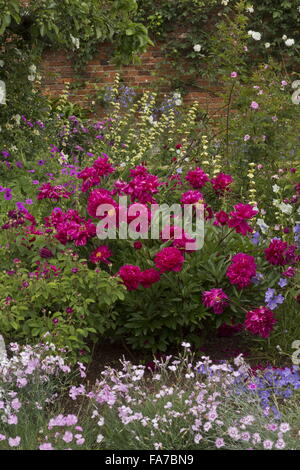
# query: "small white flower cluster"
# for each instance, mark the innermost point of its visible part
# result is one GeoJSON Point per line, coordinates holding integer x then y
{"type": "Point", "coordinates": [288, 41]}
{"type": "Point", "coordinates": [197, 47]}
{"type": "Point", "coordinates": [32, 76]}
{"type": "Point", "coordinates": [178, 99]}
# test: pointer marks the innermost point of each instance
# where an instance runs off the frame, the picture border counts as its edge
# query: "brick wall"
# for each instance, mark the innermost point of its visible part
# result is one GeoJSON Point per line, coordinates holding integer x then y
{"type": "Point", "coordinates": [57, 70]}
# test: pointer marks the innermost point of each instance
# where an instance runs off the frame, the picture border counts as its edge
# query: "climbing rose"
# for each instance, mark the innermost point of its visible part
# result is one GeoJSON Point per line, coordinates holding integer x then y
{"type": "Point", "coordinates": [215, 299]}
{"type": "Point", "coordinates": [197, 178]}
{"type": "Point", "coordinates": [130, 275]}
{"type": "Point", "coordinates": [260, 321]}
{"type": "Point", "coordinates": [100, 254]}
{"type": "Point", "coordinates": [241, 270]}
{"type": "Point", "coordinates": [169, 259]}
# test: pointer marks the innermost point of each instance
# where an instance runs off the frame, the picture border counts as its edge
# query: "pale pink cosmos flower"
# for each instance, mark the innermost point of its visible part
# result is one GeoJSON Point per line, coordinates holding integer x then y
{"type": "Point", "coordinates": [14, 441]}
{"type": "Point", "coordinates": [247, 137]}
{"type": "Point", "coordinates": [12, 419]}
{"type": "Point", "coordinates": [67, 437]}
{"type": "Point", "coordinates": [254, 105]}
{"type": "Point", "coordinates": [233, 74]}
{"type": "Point", "coordinates": [46, 446]}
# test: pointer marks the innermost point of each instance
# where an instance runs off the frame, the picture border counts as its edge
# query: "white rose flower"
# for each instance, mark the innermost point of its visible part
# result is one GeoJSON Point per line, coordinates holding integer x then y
{"type": "Point", "coordinates": [178, 102]}
{"type": "Point", "coordinates": [290, 42]}
{"type": "Point", "coordinates": [284, 37]}
{"type": "Point", "coordinates": [256, 35]}
{"type": "Point", "coordinates": [267, 45]}
{"type": "Point", "coordinates": [197, 48]}
{"type": "Point", "coordinates": [250, 9]}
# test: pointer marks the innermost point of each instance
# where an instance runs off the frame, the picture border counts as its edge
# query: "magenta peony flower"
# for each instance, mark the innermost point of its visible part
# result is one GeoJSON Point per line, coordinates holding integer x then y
{"type": "Point", "coordinates": [149, 277]}
{"type": "Point", "coordinates": [97, 198]}
{"type": "Point", "coordinates": [280, 253]}
{"type": "Point", "coordinates": [101, 254]}
{"type": "Point", "coordinates": [215, 299]}
{"type": "Point", "coordinates": [139, 170]}
{"type": "Point", "coordinates": [169, 259]}
{"type": "Point", "coordinates": [260, 321]}
{"type": "Point", "coordinates": [221, 218]}
{"type": "Point", "coordinates": [197, 178]}
{"type": "Point", "coordinates": [221, 183]}
{"type": "Point", "coordinates": [239, 216]}
{"type": "Point", "coordinates": [141, 188]}
{"type": "Point", "coordinates": [90, 178]}
{"type": "Point", "coordinates": [102, 166]}
{"type": "Point", "coordinates": [192, 197]}
{"type": "Point", "coordinates": [241, 270]}
{"type": "Point", "coordinates": [130, 275]}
